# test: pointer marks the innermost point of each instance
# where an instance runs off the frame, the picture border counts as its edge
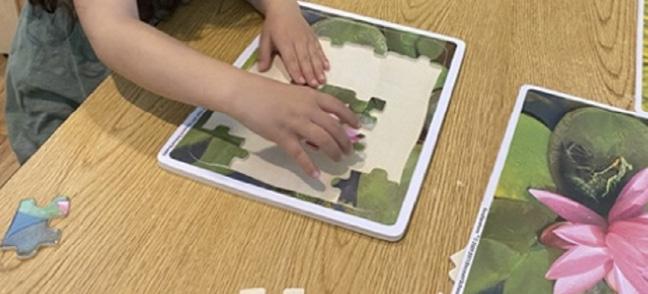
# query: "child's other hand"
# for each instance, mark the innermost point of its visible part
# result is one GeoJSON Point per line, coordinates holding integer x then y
{"type": "Point", "coordinates": [287, 32]}
{"type": "Point", "coordinates": [289, 115]}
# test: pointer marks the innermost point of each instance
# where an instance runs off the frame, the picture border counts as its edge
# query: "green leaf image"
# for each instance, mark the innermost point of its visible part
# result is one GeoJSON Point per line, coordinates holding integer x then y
{"type": "Point", "coordinates": [402, 42]}
{"type": "Point", "coordinates": [492, 264]}
{"type": "Point", "coordinates": [378, 198]}
{"type": "Point", "coordinates": [442, 78]}
{"type": "Point", "coordinates": [431, 48]}
{"type": "Point", "coordinates": [342, 30]}
{"type": "Point", "coordinates": [594, 153]}
{"type": "Point", "coordinates": [600, 288]}
{"type": "Point", "coordinates": [517, 224]}
{"type": "Point", "coordinates": [527, 164]}
{"type": "Point", "coordinates": [528, 275]}
{"type": "Point", "coordinates": [251, 61]}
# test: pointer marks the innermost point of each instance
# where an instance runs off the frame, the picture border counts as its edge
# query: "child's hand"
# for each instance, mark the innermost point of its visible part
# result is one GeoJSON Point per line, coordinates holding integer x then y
{"type": "Point", "coordinates": [289, 115]}
{"type": "Point", "coordinates": [287, 32]}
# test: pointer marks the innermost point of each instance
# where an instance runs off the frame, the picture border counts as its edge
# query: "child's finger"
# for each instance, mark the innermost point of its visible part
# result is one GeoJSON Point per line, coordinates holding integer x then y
{"type": "Point", "coordinates": [335, 106]}
{"type": "Point", "coordinates": [298, 153]}
{"type": "Point", "coordinates": [265, 53]}
{"type": "Point", "coordinates": [322, 55]}
{"type": "Point", "coordinates": [316, 60]}
{"type": "Point", "coordinates": [305, 64]}
{"type": "Point", "coordinates": [318, 136]}
{"type": "Point", "coordinates": [289, 58]}
{"type": "Point", "coordinates": [333, 127]}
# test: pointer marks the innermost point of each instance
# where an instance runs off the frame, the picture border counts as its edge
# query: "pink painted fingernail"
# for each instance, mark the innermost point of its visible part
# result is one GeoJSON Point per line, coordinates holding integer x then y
{"type": "Point", "coordinates": [316, 175]}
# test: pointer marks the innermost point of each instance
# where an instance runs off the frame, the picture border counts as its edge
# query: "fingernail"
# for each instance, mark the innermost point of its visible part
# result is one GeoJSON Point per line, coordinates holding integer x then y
{"type": "Point", "coordinates": [301, 80]}
{"type": "Point", "coordinates": [322, 78]}
{"type": "Point", "coordinates": [314, 82]}
{"type": "Point", "coordinates": [316, 175]}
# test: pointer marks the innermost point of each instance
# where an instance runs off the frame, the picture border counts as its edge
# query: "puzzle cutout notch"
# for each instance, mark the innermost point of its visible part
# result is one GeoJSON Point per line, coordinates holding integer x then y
{"type": "Point", "coordinates": [29, 228]}
{"type": "Point", "coordinates": [362, 108]}
{"type": "Point", "coordinates": [227, 146]}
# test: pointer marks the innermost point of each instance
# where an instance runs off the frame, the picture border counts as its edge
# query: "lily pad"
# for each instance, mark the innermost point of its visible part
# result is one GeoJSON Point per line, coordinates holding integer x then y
{"type": "Point", "coordinates": [517, 224]}
{"type": "Point", "coordinates": [342, 30]}
{"type": "Point", "coordinates": [492, 264]}
{"type": "Point", "coordinates": [600, 288]}
{"type": "Point", "coordinates": [408, 171]}
{"type": "Point", "coordinates": [431, 48]}
{"type": "Point", "coordinates": [378, 198]}
{"type": "Point", "coordinates": [528, 276]}
{"type": "Point", "coordinates": [527, 164]}
{"type": "Point", "coordinates": [594, 153]}
{"type": "Point", "coordinates": [402, 42]}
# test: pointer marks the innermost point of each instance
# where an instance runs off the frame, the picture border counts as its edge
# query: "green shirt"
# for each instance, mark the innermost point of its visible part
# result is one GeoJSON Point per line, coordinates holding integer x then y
{"type": "Point", "coordinates": [52, 69]}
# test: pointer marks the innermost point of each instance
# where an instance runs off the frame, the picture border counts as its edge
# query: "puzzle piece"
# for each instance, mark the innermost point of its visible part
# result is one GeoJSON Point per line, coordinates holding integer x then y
{"type": "Point", "coordinates": [457, 260]}
{"type": "Point", "coordinates": [219, 150]}
{"type": "Point", "coordinates": [378, 197]}
{"type": "Point", "coordinates": [370, 195]}
{"type": "Point", "coordinates": [341, 31]}
{"type": "Point", "coordinates": [253, 291]}
{"type": "Point", "coordinates": [29, 231]}
{"type": "Point", "coordinates": [212, 148]}
{"type": "Point", "coordinates": [362, 108]}
{"type": "Point", "coordinates": [294, 291]}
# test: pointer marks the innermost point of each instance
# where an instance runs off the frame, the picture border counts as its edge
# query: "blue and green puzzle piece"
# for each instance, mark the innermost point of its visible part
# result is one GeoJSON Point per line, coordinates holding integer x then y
{"type": "Point", "coordinates": [29, 229]}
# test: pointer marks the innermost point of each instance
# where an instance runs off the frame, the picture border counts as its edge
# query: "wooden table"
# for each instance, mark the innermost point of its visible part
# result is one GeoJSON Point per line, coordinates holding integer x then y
{"type": "Point", "coordinates": [136, 228]}
{"type": "Point", "coordinates": [9, 11]}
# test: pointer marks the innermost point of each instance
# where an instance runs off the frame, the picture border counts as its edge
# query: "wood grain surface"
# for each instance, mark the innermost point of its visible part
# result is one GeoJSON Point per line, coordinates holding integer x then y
{"type": "Point", "coordinates": [134, 228]}
{"type": "Point", "coordinates": [8, 162]}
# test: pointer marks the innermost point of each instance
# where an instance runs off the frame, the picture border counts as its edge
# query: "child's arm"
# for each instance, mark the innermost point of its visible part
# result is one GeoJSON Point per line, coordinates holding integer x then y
{"type": "Point", "coordinates": [298, 46]}
{"type": "Point", "coordinates": [279, 112]}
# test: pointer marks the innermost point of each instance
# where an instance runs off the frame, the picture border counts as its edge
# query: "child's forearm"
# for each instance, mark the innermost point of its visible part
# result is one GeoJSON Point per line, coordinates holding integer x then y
{"type": "Point", "coordinates": [160, 63]}
{"type": "Point", "coordinates": [266, 6]}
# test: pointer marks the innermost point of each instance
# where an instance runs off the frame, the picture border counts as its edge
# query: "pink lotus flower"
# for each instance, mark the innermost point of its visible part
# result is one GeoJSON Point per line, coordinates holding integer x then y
{"type": "Point", "coordinates": [614, 249]}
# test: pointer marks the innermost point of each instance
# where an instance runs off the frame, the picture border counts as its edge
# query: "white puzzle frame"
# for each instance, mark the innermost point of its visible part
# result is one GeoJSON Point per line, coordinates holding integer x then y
{"type": "Point", "coordinates": [386, 232]}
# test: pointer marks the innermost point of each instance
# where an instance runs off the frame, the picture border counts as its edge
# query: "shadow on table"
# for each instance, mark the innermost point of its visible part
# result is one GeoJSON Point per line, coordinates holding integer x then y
{"type": "Point", "coordinates": [204, 25]}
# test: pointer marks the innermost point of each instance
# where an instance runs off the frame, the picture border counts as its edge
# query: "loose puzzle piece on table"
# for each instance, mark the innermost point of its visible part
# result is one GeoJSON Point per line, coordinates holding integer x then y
{"type": "Point", "coordinates": [29, 229]}
{"type": "Point", "coordinates": [253, 291]}
{"type": "Point", "coordinates": [457, 260]}
{"type": "Point", "coordinates": [294, 291]}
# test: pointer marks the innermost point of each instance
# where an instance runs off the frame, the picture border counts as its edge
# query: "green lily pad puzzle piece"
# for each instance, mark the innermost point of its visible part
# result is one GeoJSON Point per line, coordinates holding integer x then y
{"type": "Point", "coordinates": [362, 108]}
{"type": "Point", "coordinates": [29, 229]}
{"type": "Point", "coordinates": [222, 148]}
{"type": "Point", "coordinates": [371, 195]}
{"type": "Point", "coordinates": [341, 30]}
